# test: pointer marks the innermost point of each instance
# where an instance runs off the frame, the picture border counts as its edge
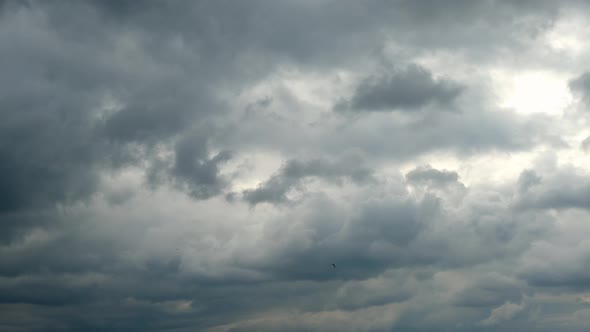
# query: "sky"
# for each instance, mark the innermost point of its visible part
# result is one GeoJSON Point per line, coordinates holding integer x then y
{"type": "Point", "coordinates": [200, 165]}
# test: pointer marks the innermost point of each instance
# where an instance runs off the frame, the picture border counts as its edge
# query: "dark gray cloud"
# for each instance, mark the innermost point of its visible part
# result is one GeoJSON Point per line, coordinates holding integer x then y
{"type": "Point", "coordinates": [527, 179]}
{"type": "Point", "coordinates": [560, 262]}
{"type": "Point", "coordinates": [404, 89]}
{"type": "Point", "coordinates": [192, 169]}
{"type": "Point", "coordinates": [58, 134]}
{"type": "Point", "coordinates": [565, 189]}
{"type": "Point", "coordinates": [294, 172]}
{"type": "Point", "coordinates": [581, 86]}
{"type": "Point", "coordinates": [125, 124]}
{"type": "Point", "coordinates": [427, 174]}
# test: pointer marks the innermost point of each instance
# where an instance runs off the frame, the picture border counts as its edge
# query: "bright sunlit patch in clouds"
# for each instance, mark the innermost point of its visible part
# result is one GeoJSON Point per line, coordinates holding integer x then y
{"type": "Point", "coordinates": [568, 36]}
{"type": "Point", "coordinates": [250, 170]}
{"type": "Point", "coordinates": [532, 91]}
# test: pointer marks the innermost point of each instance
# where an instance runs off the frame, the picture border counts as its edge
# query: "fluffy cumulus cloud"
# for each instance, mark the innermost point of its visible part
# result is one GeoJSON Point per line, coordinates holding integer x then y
{"type": "Point", "coordinates": [294, 165]}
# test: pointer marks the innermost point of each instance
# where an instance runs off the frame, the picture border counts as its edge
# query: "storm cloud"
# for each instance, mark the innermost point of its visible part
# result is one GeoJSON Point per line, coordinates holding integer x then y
{"type": "Point", "coordinates": [199, 165]}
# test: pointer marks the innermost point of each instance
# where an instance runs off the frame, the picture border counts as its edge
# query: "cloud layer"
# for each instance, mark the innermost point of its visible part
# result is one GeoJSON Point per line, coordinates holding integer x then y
{"type": "Point", "coordinates": [201, 165]}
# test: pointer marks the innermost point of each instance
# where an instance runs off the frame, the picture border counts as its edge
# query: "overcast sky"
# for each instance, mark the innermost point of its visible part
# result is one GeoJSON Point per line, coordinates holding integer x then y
{"type": "Point", "coordinates": [200, 165]}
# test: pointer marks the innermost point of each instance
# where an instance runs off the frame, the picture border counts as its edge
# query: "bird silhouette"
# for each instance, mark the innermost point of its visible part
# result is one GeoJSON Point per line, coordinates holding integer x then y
{"type": "Point", "coordinates": [334, 265]}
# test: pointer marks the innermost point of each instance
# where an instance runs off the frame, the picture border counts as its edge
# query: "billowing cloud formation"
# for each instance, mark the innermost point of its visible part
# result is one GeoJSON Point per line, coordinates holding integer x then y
{"type": "Point", "coordinates": [294, 172]}
{"type": "Point", "coordinates": [567, 188]}
{"type": "Point", "coordinates": [407, 89]}
{"type": "Point", "coordinates": [190, 165]}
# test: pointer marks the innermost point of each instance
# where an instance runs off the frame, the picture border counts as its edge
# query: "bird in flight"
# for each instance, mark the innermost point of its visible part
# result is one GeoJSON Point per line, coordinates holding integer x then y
{"type": "Point", "coordinates": [334, 265]}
